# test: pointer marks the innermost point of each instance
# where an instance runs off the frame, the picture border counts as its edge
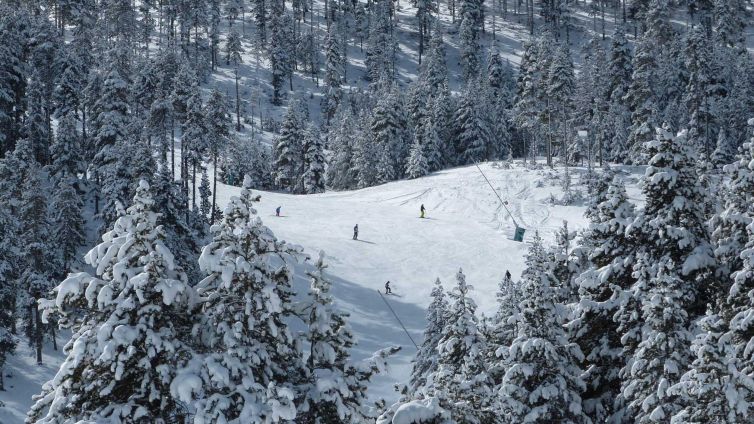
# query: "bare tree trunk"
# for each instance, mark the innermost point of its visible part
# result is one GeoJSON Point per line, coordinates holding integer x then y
{"type": "Point", "coordinates": [214, 187]}
{"type": "Point", "coordinates": [54, 338]}
{"type": "Point", "coordinates": [238, 104]}
{"type": "Point", "coordinates": [38, 332]}
{"type": "Point", "coordinates": [193, 186]}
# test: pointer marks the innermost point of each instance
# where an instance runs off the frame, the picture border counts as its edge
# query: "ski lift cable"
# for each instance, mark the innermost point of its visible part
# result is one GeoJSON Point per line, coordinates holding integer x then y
{"type": "Point", "coordinates": [503, 202]}
{"type": "Point", "coordinates": [398, 319]}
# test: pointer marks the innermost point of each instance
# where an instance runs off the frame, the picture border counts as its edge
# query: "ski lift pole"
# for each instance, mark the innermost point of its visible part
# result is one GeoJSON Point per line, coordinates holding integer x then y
{"type": "Point", "coordinates": [503, 202]}
{"type": "Point", "coordinates": [398, 319]}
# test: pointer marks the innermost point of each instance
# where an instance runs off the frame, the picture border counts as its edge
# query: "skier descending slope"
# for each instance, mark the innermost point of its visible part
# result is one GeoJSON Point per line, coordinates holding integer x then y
{"type": "Point", "coordinates": [422, 211]}
{"type": "Point", "coordinates": [387, 288]}
{"type": "Point", "coordinates": [356, 232]}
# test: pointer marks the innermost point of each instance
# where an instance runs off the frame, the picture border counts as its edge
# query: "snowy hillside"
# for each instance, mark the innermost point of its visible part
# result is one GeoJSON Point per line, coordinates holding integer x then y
{"type": "Point", "coordinates": [466, 228]}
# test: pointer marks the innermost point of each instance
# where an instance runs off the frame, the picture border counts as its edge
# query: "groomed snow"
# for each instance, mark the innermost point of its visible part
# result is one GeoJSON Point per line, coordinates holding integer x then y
{"type": "Point", "coordinates": [466, 228]}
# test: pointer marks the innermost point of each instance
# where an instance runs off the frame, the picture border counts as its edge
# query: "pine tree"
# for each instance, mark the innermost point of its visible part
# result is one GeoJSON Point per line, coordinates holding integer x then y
{"type": "Point", "coordinates": [388, 131]}
{"type": "Point", "coordinates": [218, 125]}
{"type": "Point", "coordinates": [697, 95]}
{"type": "Point", "coordinates": [542, 379]}
{"type": "Point", "coordinates": [314, 161]}
{"type": "Point", "coordinates": [725, 150]}
{"type": "Point", "coordinates": [288, 148]}
{"type": "Point", "coordinates": [502, 328]}
{"type": "Point", "coordinates": [67, 223]}
{"type": "Point", "coordinates": [205, 205]}
{"type": "Point", "coordinates": [472, 133]}
{"type": "Point", "coordinates": [471, 22]}
{"type": "Point", "coordinates": [334, 72]}
{"type": "Point", "coordinates": [137, 299]}
{"type": "Point", "coordinates": [729, 226]}
{"type": "Point", "coordinates": [425, 360]}
{"type": "Point", "coordinates": [663, 354]}
{"type": "Point", "coordinates": [738, 305]}
{"type": "Point", "coordinates": [66, 154]}
{"type": "Point", "coordinates": [672, 223]}
{"type": "Point", "coordinates": [335, 391]}
{"type": "Point", "coordinates": [281, 50]}
{"type": "Point", "coordinates": [705, 390]}
{"type": "Point", "coordinates": [461, 380]}
{"type": "Point", "coordinates": [340, 171]}
{"type": "Point", "coordinates": [560, 84]}
{"type": "Point", "coordinates": [599, 319]}
{"type": "Point", "coordinates": [640, 99]}
{"type": "Point", "coordinates": [109, 122]}
{"type": "Point", "coordinates": [417, 163]}
{"type": "Point", "coordinates": [249, 344]}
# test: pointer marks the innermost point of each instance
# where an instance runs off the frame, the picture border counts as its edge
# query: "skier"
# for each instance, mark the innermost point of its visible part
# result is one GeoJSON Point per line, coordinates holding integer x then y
{"type": "Point", "coordinates": [277, 211]}
{"type": "Point", "coordinates": [387, 288]}
{"type": "Point", "coordinates": [507, 274]}
{"type": "Point", "coordinates": [422, 210]}
{"type": "Point", "coordinates": [356, 232]}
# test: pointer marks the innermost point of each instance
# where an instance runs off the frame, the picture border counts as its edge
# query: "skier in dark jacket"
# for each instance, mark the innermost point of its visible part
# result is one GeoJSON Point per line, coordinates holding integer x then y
{"type": "Point", "coordinates": [422, 210]}
{"type": "Point", "coordinates": [356, 232]}
{"type": "Point", "coordinates": [277, 211]}
{"type": "Point", "coordinates": [387, 288]}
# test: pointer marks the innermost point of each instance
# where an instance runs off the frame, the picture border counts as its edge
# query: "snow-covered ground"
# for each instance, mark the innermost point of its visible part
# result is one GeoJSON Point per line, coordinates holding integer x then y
{"type": "Point", "coordinates": [24, 378]}
{"type": "Point", "coordinates": [466, 228]}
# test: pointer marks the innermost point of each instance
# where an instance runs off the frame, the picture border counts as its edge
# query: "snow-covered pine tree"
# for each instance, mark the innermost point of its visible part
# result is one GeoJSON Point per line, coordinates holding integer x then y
{"type": "Point", "coordinates": [417, 163]}
{"type": "Point", "coordinates": [502, 327]}
{"type": "Point", "coordinates": [640, 99]}
{"type": "Point", "coordinates": [281, 49]}
{"type": "Point", "coordinates": [288, 148]}
{"type": "Point", "coordinates": [364, 152]}
{"type": "Point", "coordinates": [542, 380]}
{"type": "Point", "coordinates": [313, 178]}
{"type": "Point", "coordinates": [193, 140]}
{"type": "Point", "coordinates": [180, 237]}
{"type": "Point", "coordinates": [725, 149]}
{"type": "Point", "coordinates": [388, 130]}
{"type": "Point", "coordinates": [66, 155]}
{"type": "Point", "coordinates": [205, 204]}
{"type": "Point", "coordinates": [598, 315]}
{"type": "Point", "coordinates": [425, 361]}
{"type": "Point", "coordinates": [729, 226]}
{"type": "Point", "coordinates": [67, 223]}
{"type": "Point", "coordinates": [8, 295]}
{"type": "Point", "coordinates": [663, 353]}
{"type": "Point", "coordinates": [499, 92]}
{"type": "Point", "coordinates": [336, 389]}
{"type": "Point", "coordinates": [252, 362]}
{"type": "Point", "coordinates": [340, 171]}
{"type": "Point", "coordinates": [471, 21]}
{"type": "Point", "coordinates": [138, 298]}
{"type": "Point", "coordinates": [334, 72]}
{"type": "Point", "coordinates": [381, 44]}
{"type": "Point", "coordinates": [109, 122]}
{"type": "Point", "coordinates": [672, 223]}
{"type": "Point", "coordinates": [560, 86]}
{"type": "Point", "coordinates": [434, 137]}
{"type": "Point", "coordinates": [218, 126]}
{"type": "Point", "coordinates": [736, 310]}
{"type": "Point", "coordinates": [472, 132]}
{"type": "Point", "coordinates": [461, 380]}
{"type": "Point", "coordinates": [706, 391]}
{"type": "Point", "coordinates": [699, 95]}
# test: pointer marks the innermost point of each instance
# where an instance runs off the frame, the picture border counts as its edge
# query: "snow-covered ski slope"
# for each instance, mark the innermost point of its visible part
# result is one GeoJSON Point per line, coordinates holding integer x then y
{"type": "Point", "coordinates": [466, 227]}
